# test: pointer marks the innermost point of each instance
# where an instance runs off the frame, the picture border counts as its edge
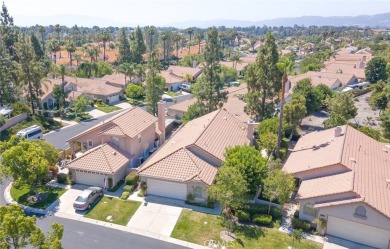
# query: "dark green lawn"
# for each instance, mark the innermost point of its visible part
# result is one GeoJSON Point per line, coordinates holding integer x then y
{"type": "Point", "coordinates": [120, 210]}
{"type": "Point", "coordinates": [199, 227]}
{"type": "Point", "coordinates": [22, 193]}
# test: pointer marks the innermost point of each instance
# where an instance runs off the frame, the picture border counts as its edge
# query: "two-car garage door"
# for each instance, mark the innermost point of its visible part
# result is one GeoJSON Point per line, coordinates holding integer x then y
{"type": "Point", "coordinates": [167, 189]}
{"type": "Point", "coordinates": [90, 178]}
{"type": "Point", "coordinates": [358, 232]}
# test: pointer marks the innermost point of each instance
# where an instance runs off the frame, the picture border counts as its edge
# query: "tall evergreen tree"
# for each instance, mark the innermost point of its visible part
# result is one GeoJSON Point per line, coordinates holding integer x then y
{"type": "Point", "coordinates": [124, 55]}
{"type": "Point", "coordinates": [8, 31]}
{"type": "Point", "coordinates": [208, 87]}
{"type": "Point", "coordinates": [155, 84]}
{"type": "Point", "coordinates": [138, 47]}
{"type": "Point", "coordinates": [6, 79]}
{"type": "Point", "coordinates": [263, 80]}
{"type": "Point", "coordinates": [36, 46]}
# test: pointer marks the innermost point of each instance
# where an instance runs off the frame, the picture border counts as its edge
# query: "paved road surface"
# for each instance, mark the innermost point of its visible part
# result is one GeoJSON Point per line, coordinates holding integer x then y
{"type": "Point", "coordinates": [84, 235]}
{"type": "Point", "coordinates": [59, 137]}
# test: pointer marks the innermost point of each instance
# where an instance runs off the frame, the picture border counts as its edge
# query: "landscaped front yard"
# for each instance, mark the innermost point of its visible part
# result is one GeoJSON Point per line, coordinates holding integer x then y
{"type": "Point", "coordinates": [199, 227]}
{"type": "Point", "coordinates": [107, 108]}
{"type": "Point", "coordinates": [120, 211]}
{"type": "Point", "coordinates": [21, 195]}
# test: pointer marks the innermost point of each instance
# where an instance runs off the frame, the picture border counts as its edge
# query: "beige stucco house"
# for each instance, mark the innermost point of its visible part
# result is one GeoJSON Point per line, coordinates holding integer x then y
{"type": "Point", "coordinates": [175, 76]}
{"type": "Point", "coordinates": [111, 148]}
{"type": "Point", "coordinates": [344, 178]}
{"type": "Point", "coordinates": [188, 162]}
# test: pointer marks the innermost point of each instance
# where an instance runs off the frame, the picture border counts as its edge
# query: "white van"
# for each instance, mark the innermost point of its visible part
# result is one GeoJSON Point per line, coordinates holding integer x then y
{"type": "Point", "coordinates": [185, 87]}
{"type": "Point", "coordinates": [30, 133]}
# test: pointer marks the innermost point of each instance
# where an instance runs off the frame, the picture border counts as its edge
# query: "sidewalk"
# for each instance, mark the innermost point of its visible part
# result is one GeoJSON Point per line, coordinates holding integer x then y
{"type": "Point", "coordinates": [286, 225]}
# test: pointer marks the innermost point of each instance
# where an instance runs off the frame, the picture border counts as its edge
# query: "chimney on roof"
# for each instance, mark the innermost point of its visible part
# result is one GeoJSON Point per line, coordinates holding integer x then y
{"type": "Point", "coordinates": [161, 120]}
{"type": "Point", "coordinates": [364, 58]}
{"type": "Point", "coordinates": [337, 131]}
{"type": "Point", "coordinates": [251, 131]}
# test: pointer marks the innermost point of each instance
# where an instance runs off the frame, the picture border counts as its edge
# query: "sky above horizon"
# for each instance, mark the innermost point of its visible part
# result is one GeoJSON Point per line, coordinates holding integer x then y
{"type": "Point", "coordinates": [165, 12]}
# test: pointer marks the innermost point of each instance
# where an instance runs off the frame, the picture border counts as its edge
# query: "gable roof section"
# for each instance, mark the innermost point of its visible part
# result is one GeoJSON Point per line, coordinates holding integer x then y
{"type": "Point", "coordinates": [105, 158]}
{"type": "Point", "coordinates": [129, 122]}
{"type": "Point", "coordinates": [368, 159]}
{"type": "Point", "coordinates": [212, 133]}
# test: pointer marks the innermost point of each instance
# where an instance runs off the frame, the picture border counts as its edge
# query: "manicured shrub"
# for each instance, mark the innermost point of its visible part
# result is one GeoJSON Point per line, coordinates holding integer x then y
{"type": "Point", "coordinates": [128, 188]}
{"type": "Point", "coordinates": [243, 216]}
{"type": "Point", "coordinates": [132, 178]}
{"type": "Point", "coordinates": [263, 219]}
{"type": "Point", "coordinates": [300, 224]}
{"type": "Point", "coordinates": [109, 183]}
{"type": "Point", "coordinates": [140, 194]}
{"type": "Point", "coordinates": [296, 214]}
{"type": "Point", "coordinates": [210, 203]}
{"type": "Point", "coordinates": [62, 178]}
{"type": "Point", "coordinates": [125, 195]}
{"type": "Point", "coordinates": [144, 187]}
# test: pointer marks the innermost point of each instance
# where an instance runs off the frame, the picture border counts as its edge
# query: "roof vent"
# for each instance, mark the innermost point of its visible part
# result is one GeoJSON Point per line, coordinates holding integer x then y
{"type": "Point", "coordinates": [385, 150]}
{"type": "Point", "coordinates": [352, 159]}
{"type": "Point", "coordinates": [114, 153]}
{"type": "Point", "coordinates": [337, 131]}
{"type": "Point", "coordinates": [225, 118]}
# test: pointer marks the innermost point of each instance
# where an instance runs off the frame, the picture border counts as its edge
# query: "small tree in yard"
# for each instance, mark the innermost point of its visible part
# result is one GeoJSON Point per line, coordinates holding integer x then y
{"type": "Point", "coordinates": [248, 160]}
{"type": "Point", "coordinates": [59, 95]}
{"type": "Point", "coordinates": [82, 103]}
{"type": "Point", "coordinates": [18, 231]}
{"type": "Point", "coordinates": [297, 235]}
{"type": "Point", "coordinates": [26, 163]}
{"type": "Point", "coordinates": [341, 109]}
{"type": "Point", "coordinates": [376, 70]}
{"type": "Point", "coordinates": [230, 188]}
{"type": "Point", "coordinates": [278, 185]}
{"type": "Point", "coordinates": [134, 91]}
{"type": "Point", "coordinates": [295, 112]}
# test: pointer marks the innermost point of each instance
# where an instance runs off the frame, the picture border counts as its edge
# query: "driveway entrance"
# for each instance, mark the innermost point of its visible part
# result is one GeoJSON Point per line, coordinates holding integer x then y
{"type": "Point", "coordinates": [155, 218]}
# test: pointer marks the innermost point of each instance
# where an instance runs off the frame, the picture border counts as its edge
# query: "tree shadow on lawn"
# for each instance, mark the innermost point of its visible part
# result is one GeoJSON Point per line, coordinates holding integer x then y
{"type": "Point", "coordinates": [250, 232]}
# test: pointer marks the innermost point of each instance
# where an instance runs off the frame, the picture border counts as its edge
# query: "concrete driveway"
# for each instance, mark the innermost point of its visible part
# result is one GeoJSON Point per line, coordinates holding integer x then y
{"type": "Point", "coordinates": [338, 243]}
{"type": "Point", "coordinates": [65, 205]}
{"type": "Point", "coordinates": [155, 218]}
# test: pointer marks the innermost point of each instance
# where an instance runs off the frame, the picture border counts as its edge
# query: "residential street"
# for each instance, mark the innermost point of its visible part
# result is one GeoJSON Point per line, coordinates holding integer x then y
{"type": "Point", "coordinates": [59, 137]}
{"type": "Point", "coordinates": [84, 235]}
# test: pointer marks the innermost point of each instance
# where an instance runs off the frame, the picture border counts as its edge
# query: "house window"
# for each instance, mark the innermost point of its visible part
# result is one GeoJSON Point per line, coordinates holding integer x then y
{"type": "Point", "coordinates": [115, 140]}
{"type": "Point", "coordinates": [139, 138]}
{"type": "Point", "coordinates": [308, 209]}
{"type": "Point", "coordinates": [361, 212]}
{"type": "Point", "coordinates": [90, 143]}
{"type": "Point", "coordinates": [198, 191]}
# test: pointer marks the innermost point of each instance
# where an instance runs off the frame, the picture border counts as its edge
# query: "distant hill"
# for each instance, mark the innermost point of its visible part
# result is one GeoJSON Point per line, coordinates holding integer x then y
{"type": "Point", "coordinates": [378, 20]}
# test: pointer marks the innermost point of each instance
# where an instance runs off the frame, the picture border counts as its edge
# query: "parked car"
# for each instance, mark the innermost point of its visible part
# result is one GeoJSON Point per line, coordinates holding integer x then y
{"type": "Point", "coordinates": [185, 87]}
{"type": "Point", "coordinates": [88, 198]}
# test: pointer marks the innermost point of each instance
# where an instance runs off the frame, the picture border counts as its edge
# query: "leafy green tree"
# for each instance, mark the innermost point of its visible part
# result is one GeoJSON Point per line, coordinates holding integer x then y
{"type": "Point", "coordinates": [124, 52]}
{"type": "Point", "coordinates": [305, 88]}
{"type": "Point", "coordinates": [228, 74]}
{"type": "Point", "coordinates": [230, 188]}
{"type": "Point", "coordinates": [250, 163]}
{"type": "Point", "coordinates": [82, 104]}
{"type": "Point", "coordinates": [36, 46]}
{"type": "Point", "coordinates": [294, 112]}
{"type": "Point", "coordinates": [138, 47]}
{"type": "Point", "coordinates": [342, 106]}
{"type": "Point", "coordinates": [208, 87]}
{"type": "Point", "coordinates": [195, 110]}
{"type": "Point", "coordinates": [155, 84]}
{"type": "Point", "coordinates": [385, 122]}
{"type": "Point", "coordinates": [335, 120]}
{"type": "Point", "coordinates": [51, 153]}
{"type": "Point", "coordinates": [8, 32]}
{"type": "Point", "coordinates": [263, 80]}
{"type": "Point", "coordinates": [2, 120]}
{"type": "Point", "coordinates": [269, 142]}
{"type": "Point", "coordinates": [19, 231]}
{"type": "Point", "coordinates": [128, 70]}
{"type": "Point", "coordinates": [188, 60]}
{"type": "Point", "coordinates": [134, 91]}
{"type": "Point", "coordinates": [322, 92]}
{"type": "Point", "coordinates": [376, 70]}
{"type": "Point", "coordinates": [26, 163]}
{"type": "Point", "coordinates": [19, 108]}
{"type": "Point", "coordinates": [278, 185]}
{"type": "Point", "coordinates": [268, 125]}
{"type": "Point", "coordinates": [59, 96]}
{"type": "Point", "coordinates": [103, 68]}
{"type": "Point", "coordinates": [380, 97]}
{"type": "Point", "coordinates": [371, 132]}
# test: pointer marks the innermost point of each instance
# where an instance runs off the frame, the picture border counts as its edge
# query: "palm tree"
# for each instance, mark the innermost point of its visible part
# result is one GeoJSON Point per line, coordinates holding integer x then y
{"type": "Point", "coordinates": [105, 37]}
{"type": "Point", "coordinates": [54, 47]}
{"type": "Point", "coordinates": [96, 51]}
{"type": "Point", "coordinates": [57, 28]}
{"type": "Point", "coordinates": [42, 31]}
{"type": "Point", "coordinates": [164, 38]}
{"type": "Point", "coordinates": [198, 37]}
{"type": "Point", "coordinates": [62, 71]}
{"type": "Point", "coordinates": [77, 57]}
{"type": "Point", "coordinates": [235, 58]}
{"type": "Point", "coordinates": [151, 32]}
{"type": "Point", "coordinates": [190, 31]}
{"type": "Point", "coordinates": [88, 68]}
{"type": "Point", "coordinates": [91, 54]}
{"type": "Point", "coordinates": [139, 71]}
{"type": "Point", "coordinates": [71, 48]}
{"type": "Point", "coordinates": [177, 39]}
{"type": "Point", "coordinates": [253, 41]}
